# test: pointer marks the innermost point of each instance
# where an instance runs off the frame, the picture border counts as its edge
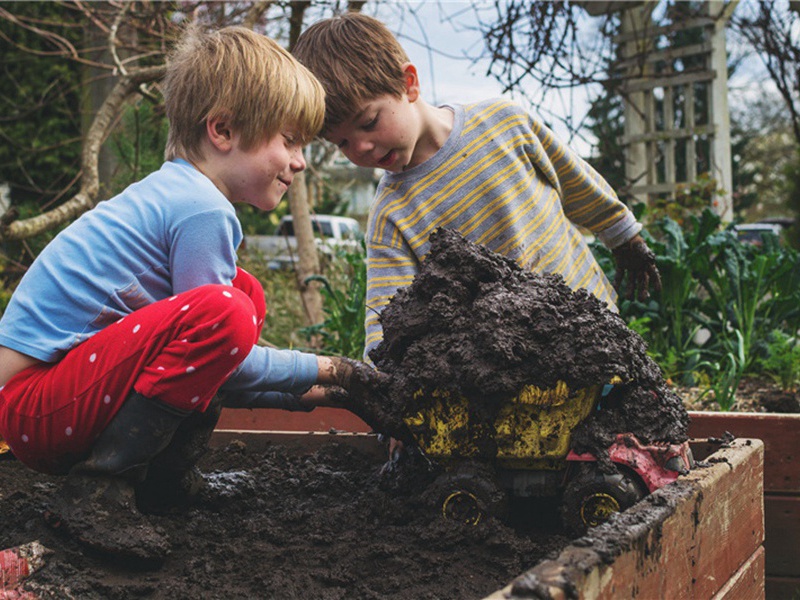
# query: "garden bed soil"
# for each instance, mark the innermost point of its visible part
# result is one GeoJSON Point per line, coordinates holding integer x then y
{"type": "Point", "coordinates": [307, 517]}
{"type": "Point", "coordinates": [284, 523]}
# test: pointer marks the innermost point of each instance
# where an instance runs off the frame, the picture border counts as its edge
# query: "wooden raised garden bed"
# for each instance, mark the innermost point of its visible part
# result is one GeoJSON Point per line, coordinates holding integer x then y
{"type": "Point", "coordinates": [699, 538]}
{"type": "Point", "coordinates": [781, 436]}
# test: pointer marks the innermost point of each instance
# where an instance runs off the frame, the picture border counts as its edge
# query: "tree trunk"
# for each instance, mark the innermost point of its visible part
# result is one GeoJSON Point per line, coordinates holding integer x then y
{"type": "Point", "coordinates": [307, 257]}
{"type": "Point", "coordinates": [97, 86]}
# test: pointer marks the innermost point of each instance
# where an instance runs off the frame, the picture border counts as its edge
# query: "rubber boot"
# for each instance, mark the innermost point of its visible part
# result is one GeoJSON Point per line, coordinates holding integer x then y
{"type": "Point", "coordinates": [96, 505]}
{"type": "Point", "coordinates": [173, 480]}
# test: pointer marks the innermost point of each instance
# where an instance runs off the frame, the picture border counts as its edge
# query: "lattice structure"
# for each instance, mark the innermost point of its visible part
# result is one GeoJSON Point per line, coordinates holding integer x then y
{"type": "Point", "coordinates": [675, 88]}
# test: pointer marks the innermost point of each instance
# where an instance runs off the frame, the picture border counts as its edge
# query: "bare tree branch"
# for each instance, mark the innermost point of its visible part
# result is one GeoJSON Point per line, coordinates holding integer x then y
{"type": "Point", "coordinates": [85, 199]}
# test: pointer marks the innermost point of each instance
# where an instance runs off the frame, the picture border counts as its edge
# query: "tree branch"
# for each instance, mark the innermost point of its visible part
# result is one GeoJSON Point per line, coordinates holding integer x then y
{"type": "Point", "coordinates": [87, 195]}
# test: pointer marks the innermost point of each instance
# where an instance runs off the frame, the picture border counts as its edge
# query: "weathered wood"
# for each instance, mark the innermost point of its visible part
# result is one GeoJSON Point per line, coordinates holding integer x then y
{"type": "Point", "coordinates": [696, 538]}
{"type": "Point", "coordinates": [267, 419]}
{"type": "Point", "coordinates": [781, 435]}
{"type": "Point", "coordinates": [747, 582]}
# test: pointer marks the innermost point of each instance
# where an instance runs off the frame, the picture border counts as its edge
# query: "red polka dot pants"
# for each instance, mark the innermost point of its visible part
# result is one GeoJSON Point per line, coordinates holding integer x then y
{"type": "Point", "coordinates": [178, 350]}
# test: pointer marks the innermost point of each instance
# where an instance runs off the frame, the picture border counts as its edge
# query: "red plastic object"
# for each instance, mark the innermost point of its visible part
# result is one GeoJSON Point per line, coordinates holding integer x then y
{"type": "Point", "coordinates": [15, 565]}
{"type": "Point", "coordinates": [649, 461]}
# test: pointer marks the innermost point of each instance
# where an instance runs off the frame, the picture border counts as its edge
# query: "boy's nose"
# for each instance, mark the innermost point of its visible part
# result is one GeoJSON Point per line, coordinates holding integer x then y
{"type": "Point", "coordinates": [364, 145]}
{"type": "Point", "coordinates": [298, 162]}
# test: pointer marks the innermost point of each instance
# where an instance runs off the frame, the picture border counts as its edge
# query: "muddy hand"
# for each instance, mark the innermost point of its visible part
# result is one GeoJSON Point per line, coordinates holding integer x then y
{"type": "Point", "coordinates": [364, 391]}
{"type": "Point", "coordinates": [636, 260]}
{"type": "Point", "coordinates": [357, 377]}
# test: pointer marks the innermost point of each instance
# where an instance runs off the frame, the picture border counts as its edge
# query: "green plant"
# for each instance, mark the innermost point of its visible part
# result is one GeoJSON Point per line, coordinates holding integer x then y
{"type": "Point", "coordinates": [690, 201]}
{"type": "Point", "coordinates": [138, 144]}
{"type": "Point", "coordinates": [285, 312]}
{"type": "Point", "coordinates": [746, 293]}
{"type": "Point", "coordinates": [726, 374]}
{"type": "Point", "coordinates": [673, 315]}
{"type": "Point", "coordinates": [342, 331]}
{"type": "Point", "coordinates": [783, 359]}
{"type": "Point", "coordinates": [734, 294]}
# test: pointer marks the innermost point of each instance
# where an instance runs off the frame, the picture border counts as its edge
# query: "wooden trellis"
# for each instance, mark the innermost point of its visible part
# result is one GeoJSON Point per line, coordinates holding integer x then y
{"type": "Point", "coordinates": [675, 89]}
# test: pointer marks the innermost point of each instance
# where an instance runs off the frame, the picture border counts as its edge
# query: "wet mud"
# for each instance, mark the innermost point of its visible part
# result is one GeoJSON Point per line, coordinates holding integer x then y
{"type": "Point", "coordinates": [475, 324]}
{"type": "Point", "coordinates": [284, 522]}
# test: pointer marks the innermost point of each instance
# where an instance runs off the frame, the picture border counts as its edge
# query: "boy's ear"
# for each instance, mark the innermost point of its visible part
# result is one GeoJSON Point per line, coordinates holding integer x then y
{"type": "Point", "coordinates": [220, 133]}
{"type": "Point", "coordinates": [412, 81]}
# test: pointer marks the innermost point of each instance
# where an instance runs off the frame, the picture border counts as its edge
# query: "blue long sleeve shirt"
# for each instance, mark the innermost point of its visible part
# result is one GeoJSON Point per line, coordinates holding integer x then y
{"type": "Point", "coordinates": [168, 233]}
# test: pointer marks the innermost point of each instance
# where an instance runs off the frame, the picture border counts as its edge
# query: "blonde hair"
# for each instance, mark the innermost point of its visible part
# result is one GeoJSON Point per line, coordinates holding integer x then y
{"type": "Point", "coordinates": [240, 75]}
{"type": "Point", "coordinates": [356, 58]}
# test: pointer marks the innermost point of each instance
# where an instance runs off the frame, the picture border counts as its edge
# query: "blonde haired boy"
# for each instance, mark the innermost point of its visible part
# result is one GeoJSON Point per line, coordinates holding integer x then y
{"type": "Point", "coordinates": [116, 341]}
{"type": "Point", "coordinates": [488, 169]}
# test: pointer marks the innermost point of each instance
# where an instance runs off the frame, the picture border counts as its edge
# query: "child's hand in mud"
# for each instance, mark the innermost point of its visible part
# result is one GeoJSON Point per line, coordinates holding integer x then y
{"type": "Point", "coordinates": [356, 377]}
{"type": "Point", "coordinates": [636, 260]}
{"type": "Point", "coordinates": [325, 395]}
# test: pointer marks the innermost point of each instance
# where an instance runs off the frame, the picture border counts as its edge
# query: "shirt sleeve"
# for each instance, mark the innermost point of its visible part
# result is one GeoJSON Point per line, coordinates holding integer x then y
{"type": "Point", "coordinates": [203, 250]}
{"type": "Point", "coordinates": [388, 269]}
{"type": "Point", "coordinates": [272, 370]}
{"type": "Point", "coordinates": [587, 199]}
{"type": "Point", "coordinates": [281, 400]}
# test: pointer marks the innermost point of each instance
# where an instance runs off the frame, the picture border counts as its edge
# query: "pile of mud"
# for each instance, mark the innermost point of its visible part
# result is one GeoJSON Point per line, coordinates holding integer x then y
{"type": "Point", "coordinates": [284, 521]}
{"type": "Point", "coordinates": [474, 323]}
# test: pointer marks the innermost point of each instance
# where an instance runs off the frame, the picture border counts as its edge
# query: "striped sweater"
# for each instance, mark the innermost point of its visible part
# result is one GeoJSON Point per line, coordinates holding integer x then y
{"type": "Point", "coordinates": [503, 180]}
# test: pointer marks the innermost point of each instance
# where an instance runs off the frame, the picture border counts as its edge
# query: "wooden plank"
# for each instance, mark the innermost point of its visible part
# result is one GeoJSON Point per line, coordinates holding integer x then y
{"type": "Point", "coordinates": [782, 524]}
{"type": "Point", "coordinates": [747, 582]}
{"type": "Point", "coordinates": [664, 80]}
{"type": "Point", "coordinates": [783, 588]}
{"type": "Point", "coordinates": [780, 433]}
{"type": "Point", "coordinates": [689, 540]}
{"type": "Point", "coordinates": [269, 419]}
{"type": "Point", "coordinates": [652, 31]}
{"type": "Point", "coordinates": [729, 507]}
{"type": "Point", "coordinates": [674, 134]}
{"type": "Point", "coordinates": [664, 55]}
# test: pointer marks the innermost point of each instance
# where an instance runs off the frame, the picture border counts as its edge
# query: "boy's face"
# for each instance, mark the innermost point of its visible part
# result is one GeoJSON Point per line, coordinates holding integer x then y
{"type": "Point", "coordinates": [383, 134]}
{"type": "Point", "coordinates": [261, 175]}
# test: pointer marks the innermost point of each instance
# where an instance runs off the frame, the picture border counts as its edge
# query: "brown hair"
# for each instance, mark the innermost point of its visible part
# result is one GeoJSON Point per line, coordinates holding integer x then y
{"type": "Point", "coordinates": [356, 58]}
{"type": "Point", "coordinates": [243, 76]}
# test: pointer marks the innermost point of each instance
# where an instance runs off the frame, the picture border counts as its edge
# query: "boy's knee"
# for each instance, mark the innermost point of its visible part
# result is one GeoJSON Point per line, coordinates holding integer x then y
{"type": "Point", "coordinates": [231, 313]}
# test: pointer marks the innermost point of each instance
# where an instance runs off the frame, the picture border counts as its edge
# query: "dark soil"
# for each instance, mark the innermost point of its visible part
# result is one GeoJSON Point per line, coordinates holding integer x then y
{"type": "Point", "coordinates": [473, 323]}
{"type": "Point", "coordinates": [279, 523]}
{"type": "Point", "coordinates": [754, 394]}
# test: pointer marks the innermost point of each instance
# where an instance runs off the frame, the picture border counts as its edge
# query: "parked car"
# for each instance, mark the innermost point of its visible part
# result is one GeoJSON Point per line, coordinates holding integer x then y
{"type": "Point", "coordinates": [753, 233]}
{"type": "Point", "coordinates": [331, 232]}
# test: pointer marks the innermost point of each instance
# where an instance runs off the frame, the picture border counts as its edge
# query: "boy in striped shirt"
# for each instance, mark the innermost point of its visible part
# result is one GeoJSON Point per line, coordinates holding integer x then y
{"type": "Point", "coordinates": [488, 169]}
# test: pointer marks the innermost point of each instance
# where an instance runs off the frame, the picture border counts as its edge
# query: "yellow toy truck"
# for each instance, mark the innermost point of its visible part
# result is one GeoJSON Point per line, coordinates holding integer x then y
{"type": "Point", "coordinates": [529, 442]}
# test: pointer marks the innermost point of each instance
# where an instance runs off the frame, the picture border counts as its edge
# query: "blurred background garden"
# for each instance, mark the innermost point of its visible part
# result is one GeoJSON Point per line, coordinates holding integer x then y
{"type": "Point", "coordinates": [689, 109]}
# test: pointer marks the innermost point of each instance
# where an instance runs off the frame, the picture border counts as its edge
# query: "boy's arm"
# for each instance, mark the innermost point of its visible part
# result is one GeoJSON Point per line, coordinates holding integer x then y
{"type": "Point", "coordinates": [590, 202]}
{"type": "Point", "coordinates": [293, 380]}
{"type": "Point", "coordinates": [388, 268]}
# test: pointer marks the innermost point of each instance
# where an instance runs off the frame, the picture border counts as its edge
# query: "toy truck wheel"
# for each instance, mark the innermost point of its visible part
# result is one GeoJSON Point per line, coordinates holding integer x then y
{"type": "Point", "coordinates": [468, 495]}
{"type": "Point", "coordinates": [591, 497]}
